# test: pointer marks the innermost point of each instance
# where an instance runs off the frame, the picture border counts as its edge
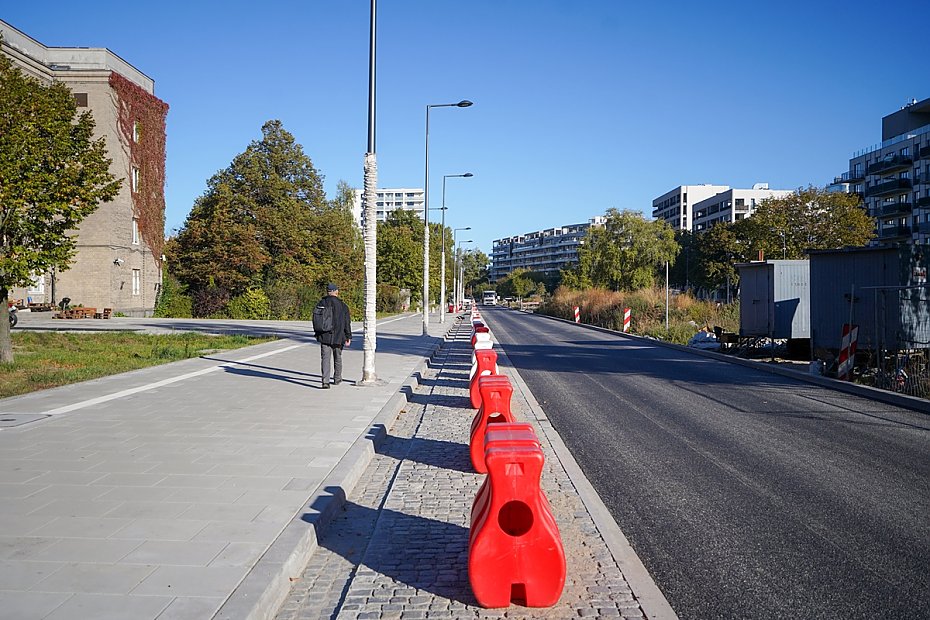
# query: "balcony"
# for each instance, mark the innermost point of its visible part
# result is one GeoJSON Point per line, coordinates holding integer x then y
{"type": "Point", "coordinates": [924, 152]}
{"type": "Point", "coordinates": [850, 177]}
{"type": "Point", "coordinates": [923, 202]}
{"type": "Point", "coordinates": [889, 164]}
{"type": "Point", "coordinates": [892, 232]}
{"type": "Point", "coordinates": [897, 208]}
{"type": "Point", "coordinates": [924, 228]}
{"type": "Point", "coordinates": [888, 187]}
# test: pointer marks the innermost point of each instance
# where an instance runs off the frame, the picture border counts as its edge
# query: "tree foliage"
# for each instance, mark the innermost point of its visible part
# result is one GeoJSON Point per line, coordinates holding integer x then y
{"type": "Point", "coordinates": [809, 219]}
{"type": "Point", "coordinates": [474, 265]}
{"type": "Point", "coordinates": [400, 251]}
{"type": "Point", "coordinates": [53, 174]}
{"type": "Point", "coordinates": [264, 221]}
{"type": "Point", "coordinates": [625, 254]}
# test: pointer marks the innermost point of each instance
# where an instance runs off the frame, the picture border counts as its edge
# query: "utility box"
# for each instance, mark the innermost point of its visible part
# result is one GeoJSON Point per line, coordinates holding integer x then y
{"type": "Point", "coordinates": [883, 290]}
{"type": "Point", "coordinates": [775, 299]}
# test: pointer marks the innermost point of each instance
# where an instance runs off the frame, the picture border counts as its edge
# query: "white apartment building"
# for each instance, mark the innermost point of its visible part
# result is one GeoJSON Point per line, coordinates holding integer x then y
{"type": "Point", "coordinates": [893, 177]}
{"type": "Point", "coordinates": [545, 251]}
{"type": "Point", "coordinates": [732, 205]}
{"type": "Point", "coordinates": [675, 206]}
{"type": "Point", "coordinates": [388, 200]}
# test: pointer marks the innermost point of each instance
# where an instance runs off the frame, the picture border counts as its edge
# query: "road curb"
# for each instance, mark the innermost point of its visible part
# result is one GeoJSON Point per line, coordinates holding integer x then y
{"type": "Point", "coordinates": [650, 598]}
{"type": "Point", "coordinates": [261, 593]}
{"type": "Point", "coordinates": [889, 398]}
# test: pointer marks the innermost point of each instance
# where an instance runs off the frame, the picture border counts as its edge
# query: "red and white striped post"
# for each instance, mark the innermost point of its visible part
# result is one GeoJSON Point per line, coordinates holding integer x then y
{"type": "Point", "coordinates": [577, 314]}
{"type": "Point", "coordinates": [847, 352]}
{"type": "Point", "coordinates": [627, 315]}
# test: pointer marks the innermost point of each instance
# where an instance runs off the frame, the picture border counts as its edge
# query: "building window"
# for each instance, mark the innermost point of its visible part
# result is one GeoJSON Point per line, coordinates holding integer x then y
{"type": "Point", "coordinates": [135, 231]}
{"type": "Point", "coordinates": [37, 286]}
{"type": "Point", "coordinates": [136, 131]}
{"type": "Point", "coordinates": [135, 179]}
{"type": "Point", "coordinates": [905, 151]}
{"type": "Point", "coordinates": [80, 100]}
{"type": "Point", "coordinates": [136, 281]}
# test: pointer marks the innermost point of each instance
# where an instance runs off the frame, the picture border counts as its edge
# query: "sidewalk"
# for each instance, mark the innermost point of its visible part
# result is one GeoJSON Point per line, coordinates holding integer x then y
{"type": "Point", "coordinates": [159, 493]}
{"type": "Point", "coordinates": [400, 548]}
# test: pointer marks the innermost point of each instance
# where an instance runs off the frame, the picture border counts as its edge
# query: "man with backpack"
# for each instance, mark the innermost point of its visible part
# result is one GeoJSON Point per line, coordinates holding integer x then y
{"type": "Point", "coordinates": [332, 327]}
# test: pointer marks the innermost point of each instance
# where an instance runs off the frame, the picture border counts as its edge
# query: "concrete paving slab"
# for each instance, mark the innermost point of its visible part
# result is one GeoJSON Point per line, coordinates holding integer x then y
{"type": "Point", "coordinates": [161, 489]}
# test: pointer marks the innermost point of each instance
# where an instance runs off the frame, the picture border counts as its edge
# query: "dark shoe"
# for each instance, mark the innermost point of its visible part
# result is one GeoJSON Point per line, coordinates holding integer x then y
{"type": "Point", "coordinates": [325, 386]}
{"type": "Point", "coordinates": [337, 381]}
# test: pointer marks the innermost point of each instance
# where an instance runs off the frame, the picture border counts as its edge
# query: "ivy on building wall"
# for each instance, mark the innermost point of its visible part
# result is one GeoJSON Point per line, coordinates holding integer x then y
{"type": "Point", "coordinates": [141, 117]}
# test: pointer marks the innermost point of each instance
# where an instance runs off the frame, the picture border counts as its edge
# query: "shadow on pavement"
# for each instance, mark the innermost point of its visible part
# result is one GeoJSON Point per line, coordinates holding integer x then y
{"type": "Point", "coordinates": [422, 553]}
{"type": "Point", "coordinates": [433, 452]}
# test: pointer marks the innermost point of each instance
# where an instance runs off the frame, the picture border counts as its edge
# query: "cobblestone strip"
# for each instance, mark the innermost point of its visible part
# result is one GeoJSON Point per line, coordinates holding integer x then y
{"type": "Point", "coordinates": [400, 549]}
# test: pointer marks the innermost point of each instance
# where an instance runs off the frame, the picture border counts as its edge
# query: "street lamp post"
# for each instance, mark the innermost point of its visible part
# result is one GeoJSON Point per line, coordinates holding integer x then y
{"type": "Point", "coordinates": [442, 265]}
{"type": "Point", "coordinates": [455, 268]}
{"type": "Point", "coordinates": [464, 103]}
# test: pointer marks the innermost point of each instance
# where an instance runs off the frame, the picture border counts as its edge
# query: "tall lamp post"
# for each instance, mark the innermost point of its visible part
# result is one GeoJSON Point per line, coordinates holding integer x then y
{"type": "Point", "coordinates": [371, 225]}
{"type": "Point", "coordinates": [455, 268]}
{"type": "Point", "coordinates": [464, 103]}
{"type": "Point", "coordinates": [442, 262]}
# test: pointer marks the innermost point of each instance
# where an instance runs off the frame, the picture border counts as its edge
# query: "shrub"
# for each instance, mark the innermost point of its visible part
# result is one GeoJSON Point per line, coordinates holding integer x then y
{"type": "Point", "coordinates": [252, 304]}
{"type": "Point", "coordinates": [172, 300]}
{"type": "Point", "coordinates": [210, 301]}
{"type": "Point", "coordinates": [389, 298]}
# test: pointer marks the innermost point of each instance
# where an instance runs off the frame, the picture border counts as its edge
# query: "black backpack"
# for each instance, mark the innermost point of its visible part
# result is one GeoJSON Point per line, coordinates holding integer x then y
{"type": "Point", "coordinates": [323, 318]}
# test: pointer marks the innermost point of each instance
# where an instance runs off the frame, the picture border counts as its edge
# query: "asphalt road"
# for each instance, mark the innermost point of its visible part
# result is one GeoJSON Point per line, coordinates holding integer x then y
{"type": "Point", "coordinates": [745, 494]}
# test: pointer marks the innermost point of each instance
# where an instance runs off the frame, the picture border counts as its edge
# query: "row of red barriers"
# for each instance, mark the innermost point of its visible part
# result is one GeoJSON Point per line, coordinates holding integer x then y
{"type": "Point", "coordinates": [515, 552]}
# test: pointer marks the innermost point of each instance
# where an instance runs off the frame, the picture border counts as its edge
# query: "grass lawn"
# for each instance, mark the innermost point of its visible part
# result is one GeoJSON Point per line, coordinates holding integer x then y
{"type": "Point", "coordinates": [44, 360]}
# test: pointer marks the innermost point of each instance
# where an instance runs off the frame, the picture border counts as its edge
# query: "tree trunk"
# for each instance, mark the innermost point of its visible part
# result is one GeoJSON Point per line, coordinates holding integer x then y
{"type": "Point", "coordinates": [371, 268]}
{"type": "Point", "coordinates": [6, 342]}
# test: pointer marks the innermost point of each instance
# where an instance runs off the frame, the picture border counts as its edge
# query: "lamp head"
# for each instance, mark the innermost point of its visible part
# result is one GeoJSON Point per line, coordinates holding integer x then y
{"type": "Point", "coordinates": [468, 174]}
{"type": "Point", "coordinates": [464, 103]}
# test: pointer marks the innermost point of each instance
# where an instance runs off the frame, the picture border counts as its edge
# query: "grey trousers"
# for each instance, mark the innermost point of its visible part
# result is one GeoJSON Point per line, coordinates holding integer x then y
{"type": "Point", "coordinates": [328, 352]}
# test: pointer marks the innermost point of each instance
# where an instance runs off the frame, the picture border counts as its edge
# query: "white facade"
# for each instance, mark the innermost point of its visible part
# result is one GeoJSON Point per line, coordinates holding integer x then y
{"type": "Point", "coordinates": [545, 251]}
{"type": "Point", "coordinates": [676, 206]}
{"type": "Point", "coordinates": [388, 200]}
{"type": "Point", "coordinates": [732, 205]}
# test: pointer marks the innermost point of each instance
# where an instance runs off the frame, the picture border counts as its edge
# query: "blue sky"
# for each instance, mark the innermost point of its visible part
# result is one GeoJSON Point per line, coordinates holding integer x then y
{"type": "Point", "coordinates": [579, 105]}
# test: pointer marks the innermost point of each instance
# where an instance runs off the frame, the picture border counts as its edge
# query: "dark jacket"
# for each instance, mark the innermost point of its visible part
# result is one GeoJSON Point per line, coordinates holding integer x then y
{"type": "Point", "coordinates": [342, 322]}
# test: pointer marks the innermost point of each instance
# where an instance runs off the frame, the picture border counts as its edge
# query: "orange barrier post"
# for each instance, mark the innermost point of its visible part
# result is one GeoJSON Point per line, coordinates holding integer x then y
{"type": "Point", "coordinates": [515, 550]}
{"type": "Point", "coordinates": [485, 364]}
{"type": "Point", "coordinates": [496, 393]}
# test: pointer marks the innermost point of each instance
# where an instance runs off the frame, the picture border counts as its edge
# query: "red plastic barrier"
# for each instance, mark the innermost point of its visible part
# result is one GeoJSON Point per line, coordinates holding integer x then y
{"type": "Point", "coordinates": [515, 551]}
{"type": "Point", "coordinates": [495, 391]}
{"type": "Point", "coordinates": [503, 434]}
{"type": "Point", "coordinates": [482, 336]}
{"type": "Point", "coordinates": [485, 364]}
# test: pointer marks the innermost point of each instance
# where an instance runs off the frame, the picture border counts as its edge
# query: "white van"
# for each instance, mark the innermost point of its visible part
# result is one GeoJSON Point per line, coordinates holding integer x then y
{"type": "Point", "coordinates": [489, 298]}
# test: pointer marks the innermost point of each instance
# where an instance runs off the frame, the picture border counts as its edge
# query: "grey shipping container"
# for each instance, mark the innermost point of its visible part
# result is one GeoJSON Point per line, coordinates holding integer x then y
{"type": "Point", "coordinates": [883, 290]}
{"type": "Point", "coordinates": [775, 299]}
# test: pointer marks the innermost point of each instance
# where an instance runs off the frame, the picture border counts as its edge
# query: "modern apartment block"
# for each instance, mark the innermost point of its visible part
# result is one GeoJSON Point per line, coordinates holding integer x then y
{"type": "Point", "coordinates": [675, 206]}
{"type": "Point", "coordinates": [119, 246]}
{"type": "Point", "coordinates": [732, 205]}
{"type": "Point", "coordinates": [545, 251]}
{"type": "Point", "coordinates": [893, 177]}
{"type": "Point", "coordinates": [388, 200]}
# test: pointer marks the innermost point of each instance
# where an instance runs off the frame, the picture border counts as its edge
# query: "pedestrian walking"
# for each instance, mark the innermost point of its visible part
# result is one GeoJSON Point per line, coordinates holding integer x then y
{"type": "Point", "coordinates": [332, 327]}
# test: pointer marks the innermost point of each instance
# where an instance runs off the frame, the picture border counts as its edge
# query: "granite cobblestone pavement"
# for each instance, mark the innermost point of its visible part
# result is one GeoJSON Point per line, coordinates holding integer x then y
{"type": "Point", "coordinates": [399, 547]}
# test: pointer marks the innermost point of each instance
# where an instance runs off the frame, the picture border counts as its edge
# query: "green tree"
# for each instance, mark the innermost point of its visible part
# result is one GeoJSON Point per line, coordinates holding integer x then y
{"type": "Point", "coordinates": [474, 264]}
{"type": "Point", "coordinates": [718, 249]}
{"type": "Point", "coordinates": [626, 253]}
{"type": "Point", "coordinates": [265, 221]}
{"type": "Point", "coordinates": [53, 174]}
{"type": "Point", "coordinates": [808, 219]}
{"type": "Point", "coordinates": [400, 251]}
